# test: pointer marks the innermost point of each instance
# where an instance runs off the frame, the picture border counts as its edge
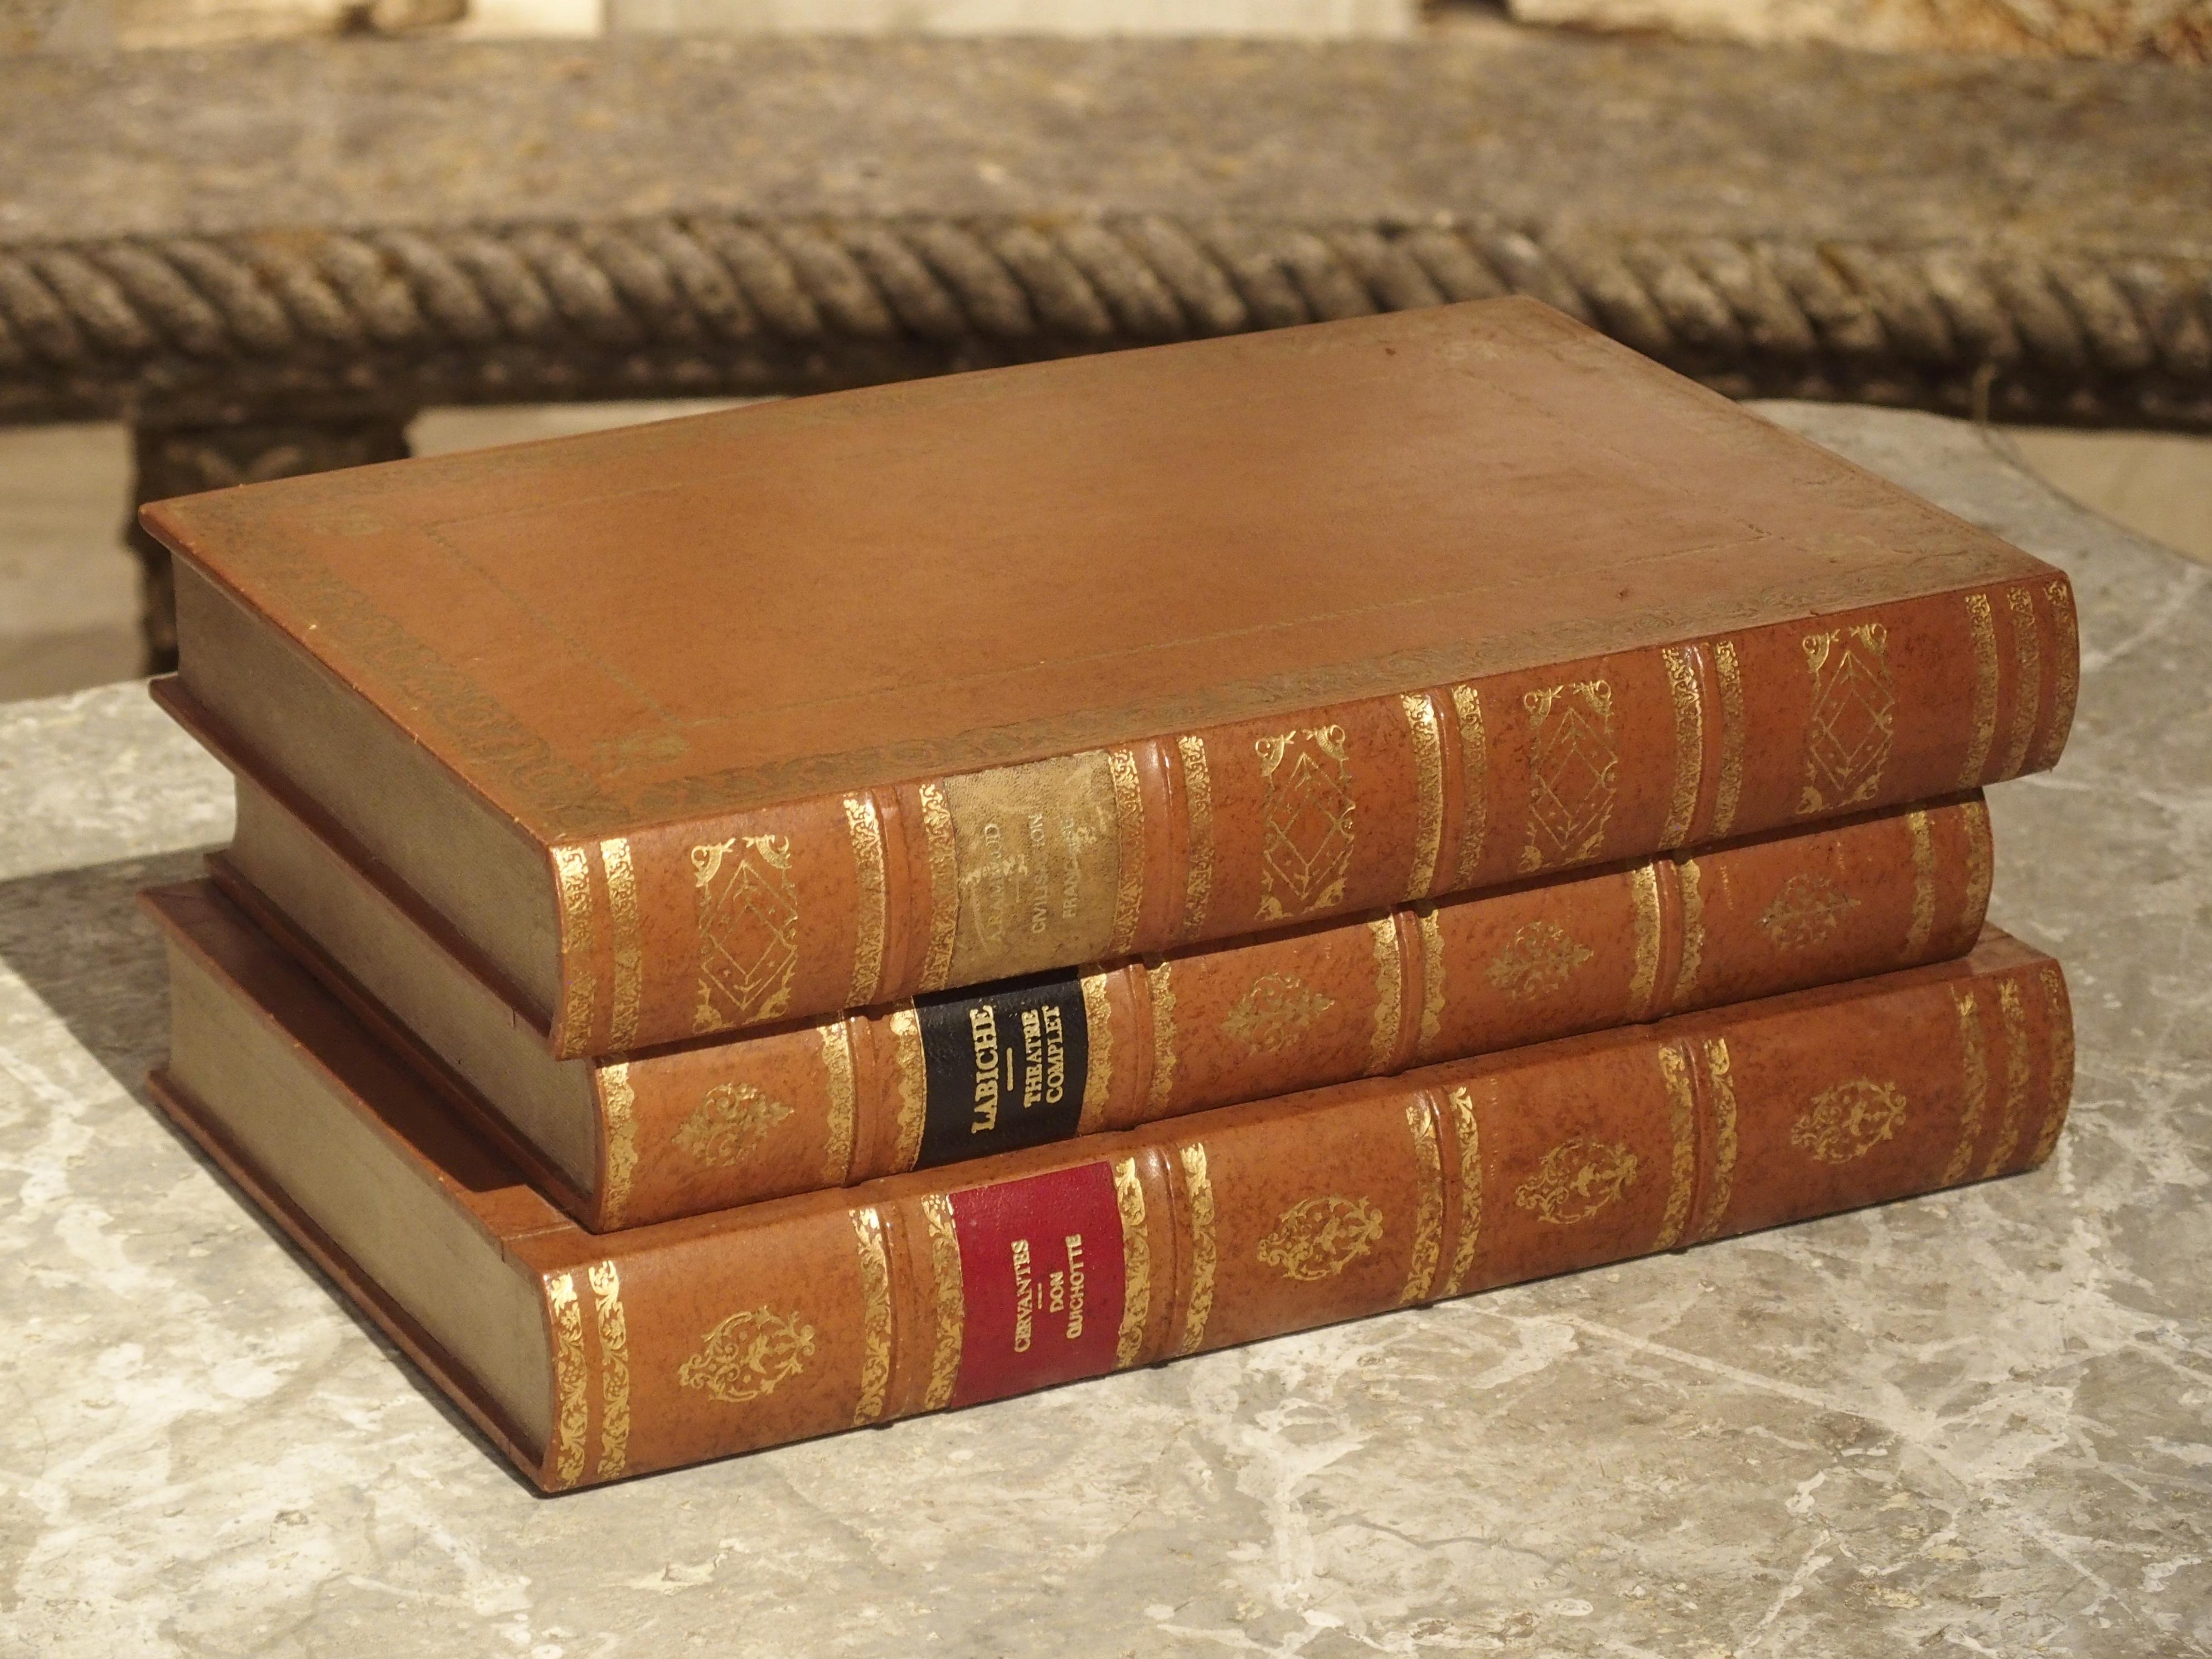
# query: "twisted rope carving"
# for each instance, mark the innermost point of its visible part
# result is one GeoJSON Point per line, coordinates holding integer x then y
{"type": "Point", "coordinates": [2131, 336]}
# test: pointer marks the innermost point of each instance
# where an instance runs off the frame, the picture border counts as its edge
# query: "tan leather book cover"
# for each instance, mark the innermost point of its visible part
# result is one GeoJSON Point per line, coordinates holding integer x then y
{"type": "Point", "coordinates": [722, 1334]}
{"type": "Point", "coordinates": [771, 712]}
{"type": "Point", "coordinates": [972, 1073]}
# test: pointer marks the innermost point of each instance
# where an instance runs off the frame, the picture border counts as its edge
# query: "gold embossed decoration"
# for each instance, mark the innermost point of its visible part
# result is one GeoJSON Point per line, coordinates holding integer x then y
{"type": "Point", "coordinates": [875, 1314]}
{"type": "Point", "coordinates": [1573, 773]}
{"type": "Point", "coordinates": [870, 902]}
{"type": "Point", "coordinates": [571, 1410]}
{"type": "Point", "coordinates": [1318, 1238]}
{"type": "Point", "coordinates": [1421, 723]}
{"type": "Point", "coordinates": [748, 930]}
{"type": "Point", "coordinates": [1983, 633]}
{"type": "Point", "coordinates": [1273, 1010]}
{"type": "Point", "coordinates": [1541, 957]}
{"type": "Point", "coordinates": [1198, 1188]}
{"type": "Point", "coordinates": [613, 1329]}
{"type": "Point", "coordinates": [1727, 789]}
{"type": "Point", "coordinates": [2027, 680]}
{"type": "Point", "coordinates": [1807, 910]}
{"type": "Point", "coordinates": [838, 1068]}
{"type": "Point", "coordinates": [1577, 1178]}
{"type": "Point", "coordinates": [1850, 730]}
{"type": "Point", "coordinates": [1198, 841]}
{"type": "Point", "coordinates": [1473, 781]}
{"type": "Point", "coordinates": [572, 874]}
{"type": "Point", "coordinates": [2066, 680]}
{"type": "Point", "coordinates": [1849, 1121]}
{"type": "Point", "coordinates": [730, 1122]}
{"type": "Point", "coordinates": [1682, 688]}
{"type": "Point", "coordinates": [1308, 822]}
{"type": "Point", "coordinates": [749, 1355]}
{"type": "Point", "coordinates": [629, 944]}
{"type": "Point", "coordinates": [1136, 1263]}
{"type": "Point", "coordinates": [619, 1102]}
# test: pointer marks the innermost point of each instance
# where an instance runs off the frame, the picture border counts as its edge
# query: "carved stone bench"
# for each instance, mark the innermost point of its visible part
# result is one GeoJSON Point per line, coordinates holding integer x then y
{"type": "Point", "coordinates": [267, 259]}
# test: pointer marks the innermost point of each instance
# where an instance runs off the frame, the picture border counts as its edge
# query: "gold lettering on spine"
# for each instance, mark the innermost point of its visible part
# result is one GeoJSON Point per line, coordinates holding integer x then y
{"type": "Point", "coordinates": [1724, 1140]}
{"type": "Point", "coordinates": [2027, 680]}
{"type": "Point", "coordinates": [1198, 1181]}
{"type": "Point", "coordinates": [2059, 1059]}
{"type": "Point", "coordinates": [619, 1097]}
{"type": "Point", "coordinates": [875, 1314]}
{"type": "Point", "coordinates": [1977, 905]}
{"type": "Point", "coordinates": [943, 886]}
{"type": "Point", "coordinates": [1643, 972]}
{"type": "Point", "coordinates": [1429, 1214]}
{"type": "Point", "coordinates": [1985, 637]}
{"type": "Point", "coordinates": [572, 873]}
{"type": "Point", "coordinates": [838, 1066]}
{"type": "Point", "coordinates": [1159, 987]}
{"type": "Point", "coordinates": [2066, 646]}
{"type": "Point", "coordinates": [1390, 993]}
{"type": "Point", "coordinates": [572, 1411]}
{"type": "Point", "coordinates": [1129, 849]}
{"type": "Point", "coordinates": [1473, 781]}
{"type": "Point", "coordinates": [1198, 801]}
{"type": "Point", "coordinates": [1689, 746]}
{"type": "Point", "coordinates": [2018, 1075]}
{"type": "Point", "coordinates": [630, 946]}
{"type": "Point", "coordinates": [908, 1059]}
{"type": "Point", "coordinates": [1922, 923]}
{"type": "Point", "coordinates": [1136, 1264]}
{"type": "Point", "coordinates": [866, 831]}
{"type": "Point", "coordinates": [1428, 792]}
{"type": "Point", "coordinates": [1098, 1043]}
{"type": "Point", "coordinates": [1468, 1133]}
{"type": "Point", "coordinates": [1432, 982]}
{"type": "Point", "coordinates": [1729, 789]}
{"type": "Point", "coordinates": [1681, 1124]}
{"type": "Point", "coordinates": [613, 1330]}
{"type": "Point", "coordinates": [951, 1303]}
{"type": "Point", "coordinates": [1976, 1068]}
{"type": "Point", "coordinates": [1693, 934]}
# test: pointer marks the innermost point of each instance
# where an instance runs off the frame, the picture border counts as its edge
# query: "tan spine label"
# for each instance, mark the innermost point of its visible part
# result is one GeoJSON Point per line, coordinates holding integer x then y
{"type": "Point", "coordinates": [1049, 858]}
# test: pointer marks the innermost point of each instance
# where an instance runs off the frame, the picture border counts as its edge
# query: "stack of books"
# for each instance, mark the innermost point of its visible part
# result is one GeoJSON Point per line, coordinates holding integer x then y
{"type": "Point", "coordinates": [776, 922]}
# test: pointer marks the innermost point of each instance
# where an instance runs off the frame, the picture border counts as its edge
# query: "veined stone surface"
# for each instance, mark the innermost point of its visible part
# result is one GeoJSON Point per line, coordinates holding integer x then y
{"type": "Point", "coordinates": [1973, 1423]}
{"type": "Point", "coordinates": [2177, 29]}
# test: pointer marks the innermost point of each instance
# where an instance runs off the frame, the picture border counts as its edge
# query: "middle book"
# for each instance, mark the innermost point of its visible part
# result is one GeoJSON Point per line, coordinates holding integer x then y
{"type": "Point", "coordinates": [647, 1137]}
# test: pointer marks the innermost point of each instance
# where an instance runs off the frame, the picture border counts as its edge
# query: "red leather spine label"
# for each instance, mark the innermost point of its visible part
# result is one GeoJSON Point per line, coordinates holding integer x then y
{"type": "Point", "coordinates": [1042, 1280]}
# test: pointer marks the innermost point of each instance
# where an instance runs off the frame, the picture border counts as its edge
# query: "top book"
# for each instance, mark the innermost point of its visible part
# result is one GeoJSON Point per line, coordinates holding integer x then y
{"type": "Point", "coordinates": [759, 715]}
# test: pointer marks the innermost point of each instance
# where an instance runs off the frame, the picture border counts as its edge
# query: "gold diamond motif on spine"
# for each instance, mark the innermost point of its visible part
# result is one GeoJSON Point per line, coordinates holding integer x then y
{"type": "Point", "coordinates": [1851, 724]}
{"type": "Point", "coordinates": [1573, 773]}
{"type": "Point", "coordinates": [748, 923]}
{"type": "Point", "coordinates": [1308, 822]}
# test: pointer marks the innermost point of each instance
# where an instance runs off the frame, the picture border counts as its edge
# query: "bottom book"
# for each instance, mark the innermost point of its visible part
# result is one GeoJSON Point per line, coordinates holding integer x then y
{"type": "Point", "coordinates": [590, 1356]}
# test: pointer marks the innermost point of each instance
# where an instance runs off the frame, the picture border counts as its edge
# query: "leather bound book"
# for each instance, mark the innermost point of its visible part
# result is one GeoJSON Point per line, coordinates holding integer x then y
{"type": "Point", "coordinates": [770, 712]}
{"type": "Point", "coordinates": [590, 1356]}
{"type": "Point", "coordinates": [971, 1072]}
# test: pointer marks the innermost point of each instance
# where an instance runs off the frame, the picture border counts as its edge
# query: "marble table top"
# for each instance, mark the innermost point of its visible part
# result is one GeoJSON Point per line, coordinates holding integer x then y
{"type": "Point", "coordinates": [1980, 1422]}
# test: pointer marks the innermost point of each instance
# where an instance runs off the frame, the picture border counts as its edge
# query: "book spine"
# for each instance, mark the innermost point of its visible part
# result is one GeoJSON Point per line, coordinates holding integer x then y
{"type": "Point", "coordinates": [970, 1073]}
{"type": "Point", "coordinates": [922, 1293]}
{"type": "Point", "coordinates": [1216, 831]}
